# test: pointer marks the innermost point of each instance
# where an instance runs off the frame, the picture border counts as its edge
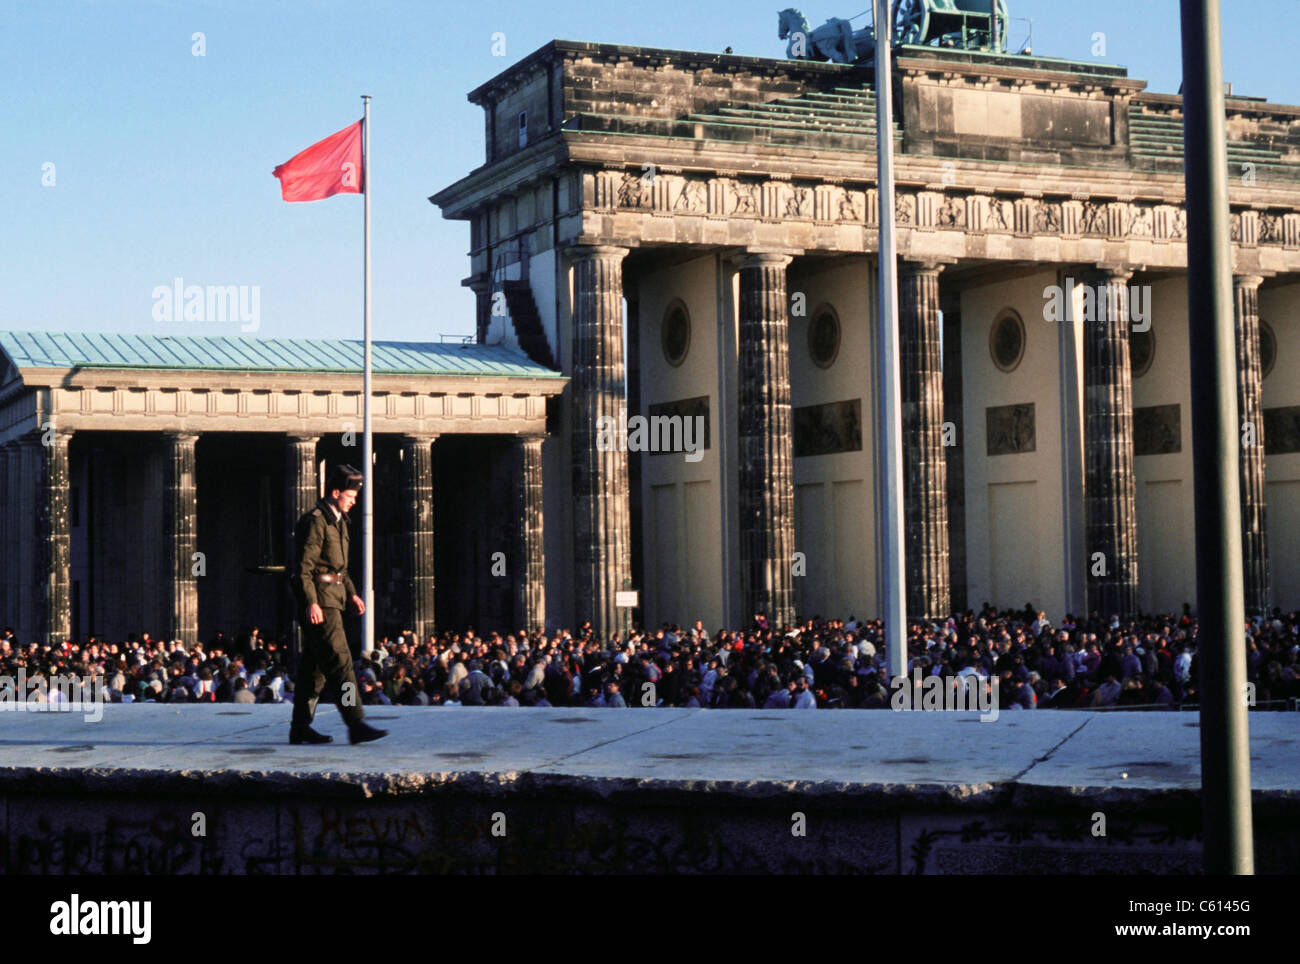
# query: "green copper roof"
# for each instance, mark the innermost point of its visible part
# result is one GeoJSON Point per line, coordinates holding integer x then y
{"type": "Point", "coordinates": [38, 349]}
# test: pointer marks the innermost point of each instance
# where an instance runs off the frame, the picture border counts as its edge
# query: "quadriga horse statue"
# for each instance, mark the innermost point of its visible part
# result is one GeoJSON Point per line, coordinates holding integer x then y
{"type": "Point", "coordinates": [835, 40]}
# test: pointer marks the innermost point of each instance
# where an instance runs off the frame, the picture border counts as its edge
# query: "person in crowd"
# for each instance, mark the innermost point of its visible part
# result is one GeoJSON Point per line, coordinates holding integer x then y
{"type": "Point", "coordinates": [819, 663]}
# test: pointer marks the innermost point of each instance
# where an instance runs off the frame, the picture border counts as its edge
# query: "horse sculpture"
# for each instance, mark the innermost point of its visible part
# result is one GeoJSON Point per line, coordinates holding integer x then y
{"type": "Point", "coordinates": [964, 24]}
{"type": "Point", "coordinates": [835, 40]}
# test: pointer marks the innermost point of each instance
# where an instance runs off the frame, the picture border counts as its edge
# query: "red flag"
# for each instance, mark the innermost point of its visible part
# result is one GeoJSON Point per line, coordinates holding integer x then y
{"type": "Point", "coordinates": [328, 167]}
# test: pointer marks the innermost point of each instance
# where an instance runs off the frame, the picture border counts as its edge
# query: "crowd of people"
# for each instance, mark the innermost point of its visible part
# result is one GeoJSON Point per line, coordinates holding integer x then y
{"type": "Point", "coordinates": [817, 664]}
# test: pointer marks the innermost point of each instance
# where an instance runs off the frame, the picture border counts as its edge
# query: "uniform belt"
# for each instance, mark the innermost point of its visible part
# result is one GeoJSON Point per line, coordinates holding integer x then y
{"type": "Point", "coordinates": [329, 577]}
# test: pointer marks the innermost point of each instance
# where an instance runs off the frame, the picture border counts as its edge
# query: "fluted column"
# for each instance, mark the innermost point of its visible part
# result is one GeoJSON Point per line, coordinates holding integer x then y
{"type": "Point", "coordinates": [602, 553]}
{"type": "Point", "coordinates": [18, 500]}
{"type": "Point", "coordinates": [1110, 491]}
{"type": "Point", "coordinates": [766, 451]}
{"type": "Point", "coordinates": [530, 560]}
{"type": "Point", "coordinates": [925, 469]}
{"type": "Point", "coordinates": [47, 462]}
{"type": "Point", "coordinates": [417, 533]}
{"type": "Point", "coordinates": [301, 491]}
{"type": "Point", "coordinates": [6, 541]}
{"type": "Point", "coordinates": [180, 536]}
{"type": "Point", "coordinates": [1250, 378]}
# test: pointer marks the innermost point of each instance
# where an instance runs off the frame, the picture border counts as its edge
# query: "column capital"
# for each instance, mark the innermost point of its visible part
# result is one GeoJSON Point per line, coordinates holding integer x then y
{"type": "Point", "coordinates": [301, 437]}
{"type": "Point", "coordinates": [419, 438]}
{"type": "Point", "coordinates": [764, 257]}
{"type": "Point", "coordinates": [526, 437]}
{"type": "Point", "coordinates": [1251, 282]}
{"type": "Point", "coordinates": [592, 252]}
{"type": "Point", "coordinates": [925, 266]}
{"type": "Point", "coordinates": [1113, 272]}
{"type": "Point", "coordinates": [178, 435]}
{"type": "Point", "coordinates": [61, 436]}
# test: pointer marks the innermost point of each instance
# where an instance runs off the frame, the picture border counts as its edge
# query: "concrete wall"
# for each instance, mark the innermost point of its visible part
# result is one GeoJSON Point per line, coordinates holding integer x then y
{"type": "Point", "coordinates": [549, 831]}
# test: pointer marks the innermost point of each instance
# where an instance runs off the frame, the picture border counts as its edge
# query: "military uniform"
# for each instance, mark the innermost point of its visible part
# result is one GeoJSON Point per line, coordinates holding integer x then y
{"type": "Point", "coordinates": [321, 539]}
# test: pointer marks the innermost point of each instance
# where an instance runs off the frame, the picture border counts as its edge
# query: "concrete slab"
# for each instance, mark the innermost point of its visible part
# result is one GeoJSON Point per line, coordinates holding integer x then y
{"type": "Point", "coordinates": [747, 751]}
{"type": "Point", "coordinates": [769, 751]}
{"type": "Point", "coordinates": [492, 790]}
{"type": "Point", "coordinates": [1116, 752]}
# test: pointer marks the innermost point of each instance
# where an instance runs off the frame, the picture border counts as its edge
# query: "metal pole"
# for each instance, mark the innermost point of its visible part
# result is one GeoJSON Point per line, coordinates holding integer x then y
{"type": "Point", "coordinates": [888, 387]}
{"type": "Point", "coordinates": [1216, 453]}
{"type": "Point", "coordinates": [367, 444]}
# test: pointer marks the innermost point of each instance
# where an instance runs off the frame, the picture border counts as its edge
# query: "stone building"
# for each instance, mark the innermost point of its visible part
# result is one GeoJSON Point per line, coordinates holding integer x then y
{"type": "Point", "coordinates": [698, 231]}
{"type": "Point", "coordinates": [150, 483]}
{"type": "Point", "coordinates": [668, 234]}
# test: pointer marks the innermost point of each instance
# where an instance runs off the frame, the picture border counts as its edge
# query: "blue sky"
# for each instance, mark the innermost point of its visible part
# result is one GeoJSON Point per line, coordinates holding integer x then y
{"type": "Point", "coordinates": [162, 159]}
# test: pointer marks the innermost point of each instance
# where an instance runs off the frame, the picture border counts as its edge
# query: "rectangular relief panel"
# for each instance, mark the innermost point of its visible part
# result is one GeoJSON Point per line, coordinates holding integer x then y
{"type": "Point", "coordinates": [1010, 429]}
{"type": "Point", "coordinates": [828, 429]}
{"type": "Point", "coordinates": [666, 429]}
{"type": "Point", "coordinates": [1282, 430]}
{"type": "Point", "coordinates": [1157, 430]}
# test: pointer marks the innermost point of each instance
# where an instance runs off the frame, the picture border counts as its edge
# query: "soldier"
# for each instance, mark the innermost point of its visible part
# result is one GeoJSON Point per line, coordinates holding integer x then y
{"type": "Point", "coordinates": [322, 588]}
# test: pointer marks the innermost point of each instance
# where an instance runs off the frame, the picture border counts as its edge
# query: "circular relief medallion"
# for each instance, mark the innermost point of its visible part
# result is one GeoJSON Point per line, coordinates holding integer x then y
{"type": "Point", "coordinates": [676, 334]}
{"type": "Point", "coordinates": [1141, 351]}
{"type": "Point", "coordinates": [1267, 349]}
{"type": "Point", "coordinates": [1007, 341]}
{"type": "Point", "coordinates": [824, 337]}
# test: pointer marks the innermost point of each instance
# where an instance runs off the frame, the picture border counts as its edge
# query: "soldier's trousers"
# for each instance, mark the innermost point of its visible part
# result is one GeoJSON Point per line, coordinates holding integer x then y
{"type": "Point", "coordinates": [325, 656]}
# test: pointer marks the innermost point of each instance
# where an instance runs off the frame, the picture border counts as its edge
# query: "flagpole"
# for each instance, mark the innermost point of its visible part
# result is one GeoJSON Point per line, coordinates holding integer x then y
{"type": "Point", "coordinates": [367, 444]}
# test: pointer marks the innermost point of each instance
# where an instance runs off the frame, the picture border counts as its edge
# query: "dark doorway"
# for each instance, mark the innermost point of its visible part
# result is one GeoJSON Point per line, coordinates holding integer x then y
{"type": "Point", "coordinates": [473, 489]}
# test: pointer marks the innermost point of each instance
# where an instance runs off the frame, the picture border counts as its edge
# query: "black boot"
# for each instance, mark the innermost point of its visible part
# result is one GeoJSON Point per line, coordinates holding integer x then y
{"type": "Point", "coordinates": [362, 732]}
{"type": "Point", "coordinates": [302, 733]}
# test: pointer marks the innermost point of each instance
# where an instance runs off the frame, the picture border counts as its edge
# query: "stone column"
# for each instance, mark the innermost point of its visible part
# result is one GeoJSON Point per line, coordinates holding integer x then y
{"type": "Point", "coordinates": [529, 560]}
{"type": "Point", "coordinates": [1110, 491]}
{"type": "Point", "coordinates": [925, 470]}
{"type": "Point", "coordinates": [47, 463]}
{"type": "Point", "coordinates": [6, 546]}
{"type": "Point", "coordinates": [766, 451]}
{"type": "Point", "coordinates": [417, 533]}
{"type": "Point", "coordinates": [601, 517]}
{"type": "Point", "coordinates": [635, 460]}
{"type": "Point", "coordinates": [1250, 378]}
{"type": "Point", "coordinates": [482, 288]}
{"type": "Point", "coordinates": [301, 491]}
{"type": "Point", "coordinates": [15, 516]}
{"type": "Point", "coordinates": [180, 537]}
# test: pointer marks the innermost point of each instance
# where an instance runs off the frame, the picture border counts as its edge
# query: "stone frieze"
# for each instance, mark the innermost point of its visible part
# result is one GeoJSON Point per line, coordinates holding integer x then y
{"type": "Point", "coordinates": [951, 209]}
